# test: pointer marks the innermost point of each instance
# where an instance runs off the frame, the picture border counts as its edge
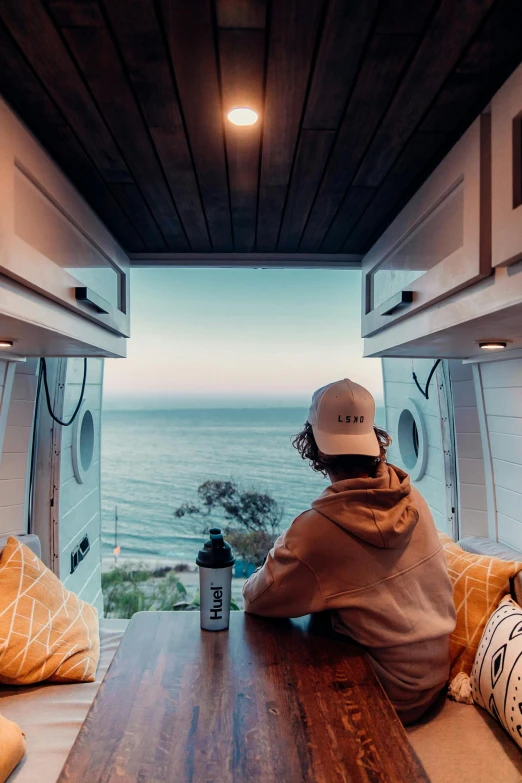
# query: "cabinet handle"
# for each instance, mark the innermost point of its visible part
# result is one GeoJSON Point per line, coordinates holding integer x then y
{"type": "Point", "coordinates": [396, 302]}
{"type": "Point", "coordinates": [92, 300]}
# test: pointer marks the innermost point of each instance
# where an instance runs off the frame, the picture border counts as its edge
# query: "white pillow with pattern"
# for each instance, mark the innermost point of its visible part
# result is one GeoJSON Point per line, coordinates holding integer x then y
{"type": "Point", "coordinates": [497, 670]}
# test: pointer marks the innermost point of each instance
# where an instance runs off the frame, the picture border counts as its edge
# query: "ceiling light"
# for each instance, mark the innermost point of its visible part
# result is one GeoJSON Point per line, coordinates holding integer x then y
{"type": "Point", "coordinates": [493, 345]}
{"type": "Point", "coordinates": [243, 116]}
{"type": "Point", "coordinates": [6, 343]}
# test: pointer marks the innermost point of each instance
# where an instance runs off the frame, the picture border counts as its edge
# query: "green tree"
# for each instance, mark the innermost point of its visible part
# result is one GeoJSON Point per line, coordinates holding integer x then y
{"type": "Point", "coordinates": [251, 519]}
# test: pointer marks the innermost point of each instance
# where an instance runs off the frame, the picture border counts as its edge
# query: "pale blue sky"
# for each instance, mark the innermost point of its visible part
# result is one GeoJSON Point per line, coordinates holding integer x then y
{"type": "Point", "coordinates": [240, 337]}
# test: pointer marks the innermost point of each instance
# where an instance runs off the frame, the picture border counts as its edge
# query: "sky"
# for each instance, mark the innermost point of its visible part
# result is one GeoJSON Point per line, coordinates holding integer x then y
{"type": "Point", "coordinates": [239, 338]}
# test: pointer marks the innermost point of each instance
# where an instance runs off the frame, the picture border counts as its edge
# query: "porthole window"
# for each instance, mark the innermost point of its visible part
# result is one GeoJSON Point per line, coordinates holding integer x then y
{"type": "Point", "coordinates": [412, 440]}
{"type": "Point", "coordinates": [84, 432]}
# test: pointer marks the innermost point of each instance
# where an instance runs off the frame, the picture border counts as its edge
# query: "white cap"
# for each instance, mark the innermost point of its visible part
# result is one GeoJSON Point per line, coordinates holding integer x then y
{"type": "Point", "coordinates": [342, 416]}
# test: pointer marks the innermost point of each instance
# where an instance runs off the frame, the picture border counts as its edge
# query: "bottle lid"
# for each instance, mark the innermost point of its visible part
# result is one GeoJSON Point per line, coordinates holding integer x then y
{"type": "Point", "coordinates": [216, 553]}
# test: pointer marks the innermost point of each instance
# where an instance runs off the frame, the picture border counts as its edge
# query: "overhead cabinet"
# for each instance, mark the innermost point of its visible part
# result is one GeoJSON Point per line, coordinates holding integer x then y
{"type": "Point", "coordinates": [506, 148]}
{"type": "Point", "coordinates": [440, 242]}
{"type": "Point", "coordinates": [50, 240]}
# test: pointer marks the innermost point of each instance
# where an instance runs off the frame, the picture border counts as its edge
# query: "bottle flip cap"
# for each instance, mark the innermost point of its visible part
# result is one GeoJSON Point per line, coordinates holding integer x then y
{"type": "Point", "coordinates": [216, 553]}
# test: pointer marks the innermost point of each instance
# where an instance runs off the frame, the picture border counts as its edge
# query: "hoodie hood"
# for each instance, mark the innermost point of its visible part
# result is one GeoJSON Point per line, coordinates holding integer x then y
{"type": "Point", "coordinates": [377, 510]}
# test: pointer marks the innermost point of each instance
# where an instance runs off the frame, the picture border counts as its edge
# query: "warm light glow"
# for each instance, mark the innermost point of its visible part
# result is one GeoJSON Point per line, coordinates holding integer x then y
{"type": "Point", "coordinates": [6, 343]}
{"type": "Point", "coordinates": [243, 116]}
{"type": "Point", "coordinates": [493, 345]}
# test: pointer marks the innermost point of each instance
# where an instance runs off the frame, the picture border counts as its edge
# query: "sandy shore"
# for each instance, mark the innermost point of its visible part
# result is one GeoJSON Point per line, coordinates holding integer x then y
{"type": "Point", "coordinates": [189, 578]}
{"type": "Point", "coordinates": [150, 563]}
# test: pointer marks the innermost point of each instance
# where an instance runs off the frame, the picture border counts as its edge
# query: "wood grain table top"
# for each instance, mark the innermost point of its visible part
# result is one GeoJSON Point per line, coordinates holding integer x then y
{"type": "Point", "coordinates": [273, 701]}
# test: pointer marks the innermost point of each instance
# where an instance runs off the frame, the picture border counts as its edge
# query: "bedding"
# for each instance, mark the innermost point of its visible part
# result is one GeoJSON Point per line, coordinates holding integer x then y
{"type": "Point", "coordinates": [46, 632]}
{"type": "Point", "coordinates": [479, 582]}
{"type": "Point", "coordinates": [51, 714]}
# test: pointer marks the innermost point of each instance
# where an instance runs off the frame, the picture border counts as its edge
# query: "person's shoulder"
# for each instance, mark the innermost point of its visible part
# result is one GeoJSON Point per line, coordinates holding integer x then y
{"type": "Point", "coordinates": [303, 533]}
{"type": "Point", "coordinates": [304, 520]}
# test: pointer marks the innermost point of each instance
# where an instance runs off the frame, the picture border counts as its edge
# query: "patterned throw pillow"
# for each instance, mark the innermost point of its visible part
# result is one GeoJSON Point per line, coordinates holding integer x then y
{"type": "Point", "coordinates": [497, 671]}
{"type": "Point", "coordinates": [479, 582]}
{"type": "Point", "coordinates": [46, 632]}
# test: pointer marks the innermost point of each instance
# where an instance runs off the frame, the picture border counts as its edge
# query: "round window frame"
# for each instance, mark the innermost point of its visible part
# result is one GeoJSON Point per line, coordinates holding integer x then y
{"type": "Point", "coordinates": [80, 472]}
{"type": "Point", "coordinates": [412, 411]}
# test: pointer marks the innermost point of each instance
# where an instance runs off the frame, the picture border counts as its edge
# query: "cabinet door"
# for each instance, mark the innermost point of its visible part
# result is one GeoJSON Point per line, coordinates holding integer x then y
{"type": "Point", "coordinates": [506, 149]}
{"type": "Point", "coordinates": [52, 241]}
{"type": "Point", "coordinates": [439, 243]}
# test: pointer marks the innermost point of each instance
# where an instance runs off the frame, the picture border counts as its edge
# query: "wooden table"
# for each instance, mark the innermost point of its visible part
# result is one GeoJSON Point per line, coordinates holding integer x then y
{"type": "Point", "coordinates": [270, 701]}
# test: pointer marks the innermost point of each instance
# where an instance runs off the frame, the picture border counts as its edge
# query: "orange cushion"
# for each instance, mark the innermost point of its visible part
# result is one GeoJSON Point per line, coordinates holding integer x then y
{"type": "Point", "coordinates": [12, 747]}
{"type": "Point", "coordinates": [479, 582]}
{"type": "Point", "coordinates": [46, 632]}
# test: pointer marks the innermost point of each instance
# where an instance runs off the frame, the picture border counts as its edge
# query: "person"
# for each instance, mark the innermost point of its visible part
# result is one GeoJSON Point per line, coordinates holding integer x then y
{"type": "Point", "coordinates": [367, 552]}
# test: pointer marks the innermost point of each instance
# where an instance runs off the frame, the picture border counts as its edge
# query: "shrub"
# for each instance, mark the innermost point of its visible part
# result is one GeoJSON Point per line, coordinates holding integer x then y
{"type": "Point", "coordinates": [251, 519]}
{"type": "Point", "coordinates": [126, 592]}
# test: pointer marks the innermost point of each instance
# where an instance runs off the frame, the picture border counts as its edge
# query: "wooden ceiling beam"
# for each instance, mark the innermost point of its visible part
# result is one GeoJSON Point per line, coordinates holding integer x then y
{"type": "Point", "coordinates": [37, 37]}
{"type": "Point", "coordinates": [189, 28]}
{"type": "Point", "coordinates": [142, 47]}
{"type": "Point", "coordinates": [98, 60]}
{"type": "Point", "coordinates": [343, 41]}
{"type": "Point", "coordinates": [422, 152]}
{"type": "Point", "coordinates": [42, 46]}
{"type": "Point", "coordinates": [312, 154]}
{"type": "Point", "coordinates": [347, 217]}
{"type": "Point", "coordinates": [25, 93]}
{"type": "Point", "coordinates": [242, 61]}
{"type": "Point", "coordinates": [241, 14]}
{"type": "Point", "coordinates": [487, 62]}
{"type": "Point", "coordinates": [452, 28]}
{"type": "Point", "coordinates": [379, 77]}
{"type": "Point", "coordinates": [293, 37]}
{"type": "Point", "coordinates": [247, 260]}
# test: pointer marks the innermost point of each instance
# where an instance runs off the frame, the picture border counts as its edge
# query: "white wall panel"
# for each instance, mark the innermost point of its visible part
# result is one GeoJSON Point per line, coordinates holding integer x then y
{"type": "Point", "coordinates": [398, 387]}
{"type": "Point", "coordinates": [472, 494]}
{"type": "Point", "coordinates": [502, 392]}
{"type": "Point", "coordinates": [506, 447]}
{"type": "Point", "coordinates": [508, 475]}
{"type": "Point", "coordinates": [509, 531]}
{"type": "Point", "coordinates": [506, 424]}
{"type": "Point", "coordinates": [506, 401]}
{"type": "Point", "coordinates": [80, 511]}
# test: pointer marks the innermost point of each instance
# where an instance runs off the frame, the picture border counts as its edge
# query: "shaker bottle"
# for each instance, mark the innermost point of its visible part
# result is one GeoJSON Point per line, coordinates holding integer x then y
{"type": "Point", "coordinates": [215, 563]}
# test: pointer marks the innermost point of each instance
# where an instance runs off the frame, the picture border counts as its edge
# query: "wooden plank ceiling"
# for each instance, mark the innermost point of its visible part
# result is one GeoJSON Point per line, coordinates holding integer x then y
{"type": "Point", "coordinates": [358, 101]}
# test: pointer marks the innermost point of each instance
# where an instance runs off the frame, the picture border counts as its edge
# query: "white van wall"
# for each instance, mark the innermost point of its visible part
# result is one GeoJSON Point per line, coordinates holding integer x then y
{"type": "Point", "coordinates": [80, 503]}
{"type": "Point", "coordinates": [15, 452]}
{"type": "Point", "coordinates": [398, 386]}
{"type": "Point", "coordinates": [472, 495]}
{"type": "Point", "coordinates": [501, 387]}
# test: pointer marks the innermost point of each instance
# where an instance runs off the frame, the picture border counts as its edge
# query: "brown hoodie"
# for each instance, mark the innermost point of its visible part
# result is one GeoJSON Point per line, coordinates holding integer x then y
{"type": "Point", "coordinates": [368, 551]}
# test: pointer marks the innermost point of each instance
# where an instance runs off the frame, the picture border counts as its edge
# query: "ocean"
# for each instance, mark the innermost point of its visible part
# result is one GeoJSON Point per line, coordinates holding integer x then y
{"type": "Point", "coordinates": [153, 461]}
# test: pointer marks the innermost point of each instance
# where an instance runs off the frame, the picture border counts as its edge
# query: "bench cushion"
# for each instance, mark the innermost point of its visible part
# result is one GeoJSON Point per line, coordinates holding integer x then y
{"type": "Point", "coordinates": [50, 715]}
{"type": "Point", "coordinates": [483, 546]}
{"type": "Point", "coordinates": [461, 743]}
{"type": "Point", "coordinates": [479, 582]}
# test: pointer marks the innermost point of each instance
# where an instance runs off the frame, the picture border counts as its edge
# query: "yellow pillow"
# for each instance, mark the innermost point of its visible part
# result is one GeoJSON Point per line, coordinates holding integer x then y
{"type": "Point", "coordinates": [479, 582]}
{"type": "Point", "coordinates": [12, 747]}
{"type": "Point", "coordinates": [46, 632]}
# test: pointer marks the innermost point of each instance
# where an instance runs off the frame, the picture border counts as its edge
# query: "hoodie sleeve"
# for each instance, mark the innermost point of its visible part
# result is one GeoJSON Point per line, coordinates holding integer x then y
{"type": "Point", "coordinates": [284, 586]}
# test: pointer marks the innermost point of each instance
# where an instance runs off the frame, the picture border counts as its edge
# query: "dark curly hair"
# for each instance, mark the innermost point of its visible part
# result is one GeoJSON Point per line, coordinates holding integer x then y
{"type": "Point", "coordinates": [307, 447]}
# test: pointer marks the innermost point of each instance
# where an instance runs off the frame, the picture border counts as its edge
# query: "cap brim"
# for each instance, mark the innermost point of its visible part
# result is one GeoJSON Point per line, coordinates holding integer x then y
{"type": "Point", "coordinates": [331, 443]}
